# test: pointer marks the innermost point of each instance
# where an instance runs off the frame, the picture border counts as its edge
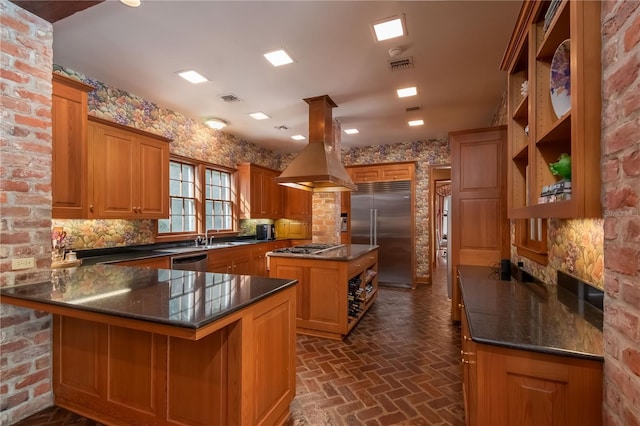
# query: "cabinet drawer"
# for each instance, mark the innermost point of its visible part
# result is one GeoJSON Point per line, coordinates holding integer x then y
{"type": "Point", "coordinates": [361, 264]}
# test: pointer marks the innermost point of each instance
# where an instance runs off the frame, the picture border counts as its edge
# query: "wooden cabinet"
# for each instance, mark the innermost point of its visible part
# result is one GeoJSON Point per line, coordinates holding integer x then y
{"type": "Point", "coordinates": [297, 204]}
{"type": "Point", "coordinates": [537, 136]}
{"type": "Point", "coordinates": [479, 227]}
{"type": "Point", "coordinates": [162, 262]}
{"type": "Point", "coordinates": [504, 386]}
{"type": "Point", "coordinates": [239, 370]}
{"type": "Point", "coordinates": [259, 259]}
{"type": "Point", "coordinates": [234, 260]}
{"type": "Point", "coordinates": [382, 172]}
{"type": "Point", "coordinates": [130, 172]}
{"type": "Point", "coordinates": [329, 300]}
{"type": "Point", "coordinates": [260, 196]}
{"type": "Point", "coordinates": [69, 148]}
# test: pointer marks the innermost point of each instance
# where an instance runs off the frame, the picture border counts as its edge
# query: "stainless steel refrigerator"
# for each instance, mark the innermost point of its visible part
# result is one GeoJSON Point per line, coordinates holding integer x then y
{"type": "Point", "coordinates": [381, 214]}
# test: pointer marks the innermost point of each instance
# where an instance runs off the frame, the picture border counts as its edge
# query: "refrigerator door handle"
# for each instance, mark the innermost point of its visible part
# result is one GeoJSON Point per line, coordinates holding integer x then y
{"type": "Point", "coordinates": [375, 226]}
{"type": "Point", "coordinates": [370, 227]}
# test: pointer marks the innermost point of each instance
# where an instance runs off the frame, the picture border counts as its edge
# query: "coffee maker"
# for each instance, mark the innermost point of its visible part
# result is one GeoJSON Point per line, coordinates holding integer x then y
{"type": "Point", "coordinates": [265, 232]}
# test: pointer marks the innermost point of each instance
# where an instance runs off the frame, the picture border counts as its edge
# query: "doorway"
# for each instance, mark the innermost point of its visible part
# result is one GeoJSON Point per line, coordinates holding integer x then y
{"type": "Point", "coordinates": [439, 215]}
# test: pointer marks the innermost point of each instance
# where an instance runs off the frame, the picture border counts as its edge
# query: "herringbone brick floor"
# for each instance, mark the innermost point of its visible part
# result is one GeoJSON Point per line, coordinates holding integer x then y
{"type": "Point", "coordinates": [399, 366]}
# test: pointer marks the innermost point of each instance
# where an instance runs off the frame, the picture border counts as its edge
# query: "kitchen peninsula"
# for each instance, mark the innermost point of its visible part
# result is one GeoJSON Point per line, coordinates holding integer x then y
{"type": "Point", "coordinates": [168, 347]}
{"type": "Point", "coordinates": [337, 284]}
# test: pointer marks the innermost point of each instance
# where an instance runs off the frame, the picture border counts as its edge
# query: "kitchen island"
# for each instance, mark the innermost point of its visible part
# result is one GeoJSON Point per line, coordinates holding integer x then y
{"type": "Point", "coordinates": [531, 353]}
{"type": "Point", "coordinates": [168, 347]}
{"type": "Point", "coordinates": [336, 285]}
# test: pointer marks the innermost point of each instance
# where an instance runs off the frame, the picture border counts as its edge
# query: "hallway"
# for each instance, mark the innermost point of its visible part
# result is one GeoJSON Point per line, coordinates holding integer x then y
{"type": "Point", "coordinates": [399, 366]}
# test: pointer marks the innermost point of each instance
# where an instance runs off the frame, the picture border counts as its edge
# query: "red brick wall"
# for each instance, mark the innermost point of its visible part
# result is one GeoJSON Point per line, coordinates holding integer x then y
{"type": "Point", "coordinates": [25, 203]}
{"type": "Point", "coordinates": [621, 188]}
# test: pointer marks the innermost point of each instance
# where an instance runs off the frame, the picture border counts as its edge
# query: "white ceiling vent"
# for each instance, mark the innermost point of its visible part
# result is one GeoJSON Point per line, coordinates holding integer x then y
{"type": "Point", "coordinates": [401, 64]}
{"type": "Point", "coordinates": [230, 98]}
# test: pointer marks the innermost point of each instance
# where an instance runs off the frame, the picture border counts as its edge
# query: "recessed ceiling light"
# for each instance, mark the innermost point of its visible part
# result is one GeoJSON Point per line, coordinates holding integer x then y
{"type": "Point", "coordinates": [216, 123]}
{"type": "Point", "coordinates": [131, 3]}
{"type": "Point", "coordinates": [351, 131]}
{"type": "Point", "coordinates": [298, 137]}
{"type": "Point", "coordinates": [416, 123]}
{"type": "Point", "coordinates": [407, 91]}
{"type": "Point", "coordinates": [192, 77]}
{"type": "Point", "coordinates": [278, 57]}
{"type": "Point", "coordinates": [389, 28]}
{"type": "Point", "coordinates": [259, 115]}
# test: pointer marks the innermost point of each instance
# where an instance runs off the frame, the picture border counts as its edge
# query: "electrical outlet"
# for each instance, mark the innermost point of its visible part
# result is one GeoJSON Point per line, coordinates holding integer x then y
{"type": "Point", "coordinates": [23, 263]}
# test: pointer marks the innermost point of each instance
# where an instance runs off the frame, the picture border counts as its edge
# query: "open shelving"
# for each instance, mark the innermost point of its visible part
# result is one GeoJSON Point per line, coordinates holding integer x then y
{"type": "Point", "coordinates": [537, 136]}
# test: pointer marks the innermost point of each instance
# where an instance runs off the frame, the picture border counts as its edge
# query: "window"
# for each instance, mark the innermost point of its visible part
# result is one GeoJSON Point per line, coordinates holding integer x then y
{"type": "Point", "coordinates": [182, 207]}
{"type": "Point", "coordinates": [203, 199]}
{"type": "Point", "coordinates": [531, 239]}
{"type": "Point", "coordinates": [219, 206]}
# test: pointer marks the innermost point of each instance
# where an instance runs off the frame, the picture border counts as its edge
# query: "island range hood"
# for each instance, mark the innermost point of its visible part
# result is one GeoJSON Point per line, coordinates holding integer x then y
{"type": "Point", "coordinates": [317, 167]}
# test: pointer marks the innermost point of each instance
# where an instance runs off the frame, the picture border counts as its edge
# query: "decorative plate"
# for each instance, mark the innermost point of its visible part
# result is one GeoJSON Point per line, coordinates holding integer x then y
{"type": "Point", "coordinates": [561, 79]}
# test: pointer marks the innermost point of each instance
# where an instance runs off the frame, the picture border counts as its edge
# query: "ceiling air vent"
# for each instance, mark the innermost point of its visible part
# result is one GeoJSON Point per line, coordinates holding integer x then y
{"type": "Point", "coordinates": [401, 64]}
{"type": "Point", "coordinates": [230, 98]}
{"type": "Point", "coordinates": [415, 108]}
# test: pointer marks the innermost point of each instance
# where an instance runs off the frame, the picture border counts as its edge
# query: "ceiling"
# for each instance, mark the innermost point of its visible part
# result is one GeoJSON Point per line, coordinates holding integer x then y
{"type": "Point", "coordinates": [456, 48]}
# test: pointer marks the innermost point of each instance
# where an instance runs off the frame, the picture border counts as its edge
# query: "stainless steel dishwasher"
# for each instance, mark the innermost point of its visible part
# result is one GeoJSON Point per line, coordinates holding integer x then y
{"type": "Point", "coordinates": [190, 262]}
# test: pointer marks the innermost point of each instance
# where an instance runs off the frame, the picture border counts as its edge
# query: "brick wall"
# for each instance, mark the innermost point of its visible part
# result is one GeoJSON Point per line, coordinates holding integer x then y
{"type": "Point", "coordinates": [621, 188]}
{"type": "Point", "coordinates": [25, 206]}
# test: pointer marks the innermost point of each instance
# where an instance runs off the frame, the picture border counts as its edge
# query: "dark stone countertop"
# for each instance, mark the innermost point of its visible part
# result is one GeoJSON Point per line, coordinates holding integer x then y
{"type": "Point", "coordinates": [529, 316]}
{"type": "Point", "coordinates": [185, 299]}
{"type": "Point", "coordinates": [344, 252]}
{"type": "Point", "coordinates": [120, 254]}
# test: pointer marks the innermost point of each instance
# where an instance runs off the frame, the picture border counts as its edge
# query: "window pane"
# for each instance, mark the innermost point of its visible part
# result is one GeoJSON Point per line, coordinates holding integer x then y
{"type": "Point", "coordinates": [174, 170]}
{"type": "Point", "coordinates": [164, 226]}
{"type": "Point", "coordinates": [182, 204]}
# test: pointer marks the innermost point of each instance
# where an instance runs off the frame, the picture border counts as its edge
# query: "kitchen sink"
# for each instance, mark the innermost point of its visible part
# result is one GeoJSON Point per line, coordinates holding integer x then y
{"type": "Point", "coordinates": [182, 249]}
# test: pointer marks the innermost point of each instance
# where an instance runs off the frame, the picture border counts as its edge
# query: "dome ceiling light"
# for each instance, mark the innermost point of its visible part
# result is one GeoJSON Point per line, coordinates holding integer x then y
{"type": "Point", "coordinates": [216, 123]}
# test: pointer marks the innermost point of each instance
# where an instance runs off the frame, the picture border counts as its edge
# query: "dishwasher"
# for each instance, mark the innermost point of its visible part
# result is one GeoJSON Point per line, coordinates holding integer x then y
{"type": "Point", "coordinates": [190, 262]}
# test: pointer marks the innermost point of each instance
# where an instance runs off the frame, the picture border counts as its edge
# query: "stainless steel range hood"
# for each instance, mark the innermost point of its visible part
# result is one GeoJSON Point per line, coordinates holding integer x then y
{"type": "Point", "coordinates": [317, 167]}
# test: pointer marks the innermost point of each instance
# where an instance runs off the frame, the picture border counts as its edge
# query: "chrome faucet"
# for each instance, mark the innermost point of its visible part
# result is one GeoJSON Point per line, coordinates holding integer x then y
{"type": "Point", "coordinates": [208, 240]}
{"type": "Point", "coordinates": [200, 240]}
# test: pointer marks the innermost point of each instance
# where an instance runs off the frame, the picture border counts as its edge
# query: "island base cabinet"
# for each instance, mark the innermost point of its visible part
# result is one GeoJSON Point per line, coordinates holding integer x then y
{"type": "Point", "coordinates": [515, 387]}
{"type": "Point", "coordinates": [241, 372]}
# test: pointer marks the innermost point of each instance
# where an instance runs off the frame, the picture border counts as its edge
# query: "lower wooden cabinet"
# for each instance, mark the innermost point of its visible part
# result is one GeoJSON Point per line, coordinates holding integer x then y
{"type": "Point", "coordinates": [505, 386]}
{"type": "Point", "coordinates": [235, 260]}
{"type": "Point", "coordinates": [259, 260]}
{"type": "Point", "coordinates": [238, 370]}
{"type": "Point", "coordinates": [332, 296]}
{"type": "Point", "coordinates": [154, 262]}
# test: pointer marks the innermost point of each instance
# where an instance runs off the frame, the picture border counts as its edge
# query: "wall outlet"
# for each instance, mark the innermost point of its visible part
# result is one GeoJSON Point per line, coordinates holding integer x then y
{"type": "Point", "coordinates": [23, 263]}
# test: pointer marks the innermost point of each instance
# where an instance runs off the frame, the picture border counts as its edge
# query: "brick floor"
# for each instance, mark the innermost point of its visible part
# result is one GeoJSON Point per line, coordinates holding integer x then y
{"type": "Point", "coordinates": [399, 366]}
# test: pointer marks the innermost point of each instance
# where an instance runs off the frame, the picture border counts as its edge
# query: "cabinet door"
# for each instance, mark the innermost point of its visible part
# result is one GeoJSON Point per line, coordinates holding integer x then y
{"type": "Point", "coordinates": [112, 155]}
{"type": "Point", "coordinates": [258, 206]}
{"type": "Point", "coordinates": [69, 148]}
{"type": "Point", "coordinates": [219, 262]}
{"type": "Point", "coordinates": [276, 195]}
{"type": "Point", "coordinates": [153, 183]}
{"type": "Point", "coordinates": [156, 263]}
{"type": "Point", "coordinates": [241, 264]}
{"type": "Point", "coordinates": [298, 204]}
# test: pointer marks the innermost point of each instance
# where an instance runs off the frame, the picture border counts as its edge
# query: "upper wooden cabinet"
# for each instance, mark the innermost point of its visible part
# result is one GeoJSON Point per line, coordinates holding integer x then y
{"type": "Point", "coordinates": [537, 135]}
{"type": "Point", "coordinates": [69, 149]}
{"type": "Point", "coordinates": [129, 172]}
{"type": "Point", "coordinates": [260, 196]}
{"type": "Point", "coordinates": [297, 204]}
{"type": "Point", "coordinates": [382, 172]}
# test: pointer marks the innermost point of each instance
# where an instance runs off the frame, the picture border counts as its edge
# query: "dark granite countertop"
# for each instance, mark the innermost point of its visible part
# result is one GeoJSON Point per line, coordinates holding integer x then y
{"type": "Point", "coordinates": [529, 316]}
{"type": "Point", "coordinates": [186, 299]}
{"type": "Point", "coordinates": [344, 252]}
{"type": "Point", "coordinates": [120, 254]}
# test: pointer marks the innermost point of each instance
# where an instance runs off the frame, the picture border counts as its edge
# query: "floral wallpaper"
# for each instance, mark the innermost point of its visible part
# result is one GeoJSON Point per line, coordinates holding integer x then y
{"type": "Point", "coordinates": [574, 246]}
